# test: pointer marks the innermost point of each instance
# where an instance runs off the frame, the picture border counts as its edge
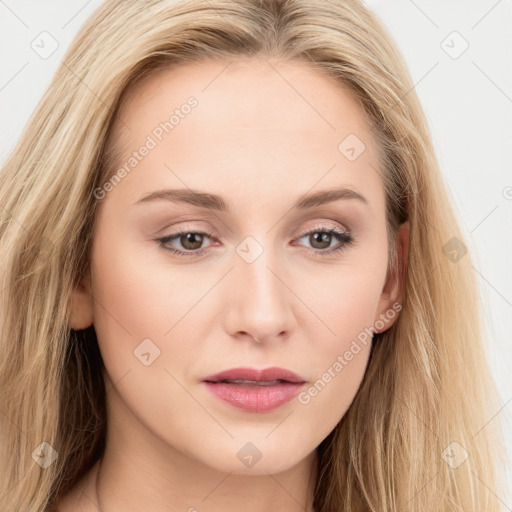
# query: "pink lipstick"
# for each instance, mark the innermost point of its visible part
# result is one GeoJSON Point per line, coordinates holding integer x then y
{"type": "Point", "coordinates": [255, 390]}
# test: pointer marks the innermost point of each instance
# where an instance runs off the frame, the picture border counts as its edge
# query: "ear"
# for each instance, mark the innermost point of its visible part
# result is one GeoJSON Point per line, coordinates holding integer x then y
{"type": "Point", "coordinates": [391, 298]}
{"type": "Point", "coordinates": [81, 313]}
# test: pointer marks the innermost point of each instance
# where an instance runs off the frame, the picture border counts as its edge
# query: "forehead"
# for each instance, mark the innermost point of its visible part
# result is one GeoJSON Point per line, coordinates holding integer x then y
{"type": "Point", "coordinates": [260, 122]}
{"type": "Point", "coordinates": [253, 90]}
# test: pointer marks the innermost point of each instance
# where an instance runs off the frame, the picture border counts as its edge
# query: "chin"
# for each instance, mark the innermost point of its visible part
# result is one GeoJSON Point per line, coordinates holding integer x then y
{"type": "Point", "coordinates": [246, 457]}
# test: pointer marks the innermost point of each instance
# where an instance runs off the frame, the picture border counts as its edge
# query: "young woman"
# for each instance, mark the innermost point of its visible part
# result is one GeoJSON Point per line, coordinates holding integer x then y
{"type": "Point", "coordinates": [228, 278]}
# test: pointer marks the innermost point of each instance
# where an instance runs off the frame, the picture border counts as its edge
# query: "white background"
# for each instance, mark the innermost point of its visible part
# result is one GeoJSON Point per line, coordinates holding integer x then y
{"type": "Point", "coordinates": [468, 102]}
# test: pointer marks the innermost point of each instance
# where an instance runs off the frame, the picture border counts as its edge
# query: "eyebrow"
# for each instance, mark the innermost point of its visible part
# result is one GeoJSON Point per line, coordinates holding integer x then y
{"type": "Point", "coordinates": [215, 202]}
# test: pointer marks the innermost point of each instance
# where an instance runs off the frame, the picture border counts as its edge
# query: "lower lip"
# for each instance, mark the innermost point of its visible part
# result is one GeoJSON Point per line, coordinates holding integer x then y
{"type": "Point", "coordinates": [254, 397]}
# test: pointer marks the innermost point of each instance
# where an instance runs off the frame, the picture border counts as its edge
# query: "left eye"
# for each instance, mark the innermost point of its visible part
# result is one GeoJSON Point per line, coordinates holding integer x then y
{"type": "Point", "coordinates": [324, 237]}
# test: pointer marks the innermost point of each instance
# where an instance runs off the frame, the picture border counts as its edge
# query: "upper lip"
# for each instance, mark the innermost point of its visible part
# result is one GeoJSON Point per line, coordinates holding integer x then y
{"type": "Point", "coordinates": [263, 375]}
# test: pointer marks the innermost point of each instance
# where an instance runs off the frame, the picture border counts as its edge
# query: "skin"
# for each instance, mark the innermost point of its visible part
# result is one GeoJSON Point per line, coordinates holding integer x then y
{"type": "Point", "coordinates": [264, 133]}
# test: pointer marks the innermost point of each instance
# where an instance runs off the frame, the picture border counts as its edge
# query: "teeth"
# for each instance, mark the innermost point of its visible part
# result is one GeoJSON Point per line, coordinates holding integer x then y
{"type": "Point", "coordinates": [253, 382]}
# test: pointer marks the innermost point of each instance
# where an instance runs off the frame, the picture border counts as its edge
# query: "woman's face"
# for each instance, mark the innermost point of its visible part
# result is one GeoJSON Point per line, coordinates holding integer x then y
{"type": "Point", "coordinates": [258, 282]}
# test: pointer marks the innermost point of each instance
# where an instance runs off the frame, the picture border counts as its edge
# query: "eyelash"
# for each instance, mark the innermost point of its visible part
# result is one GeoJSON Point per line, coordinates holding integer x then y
{"type": "Point", "coordinates": [344, 237]}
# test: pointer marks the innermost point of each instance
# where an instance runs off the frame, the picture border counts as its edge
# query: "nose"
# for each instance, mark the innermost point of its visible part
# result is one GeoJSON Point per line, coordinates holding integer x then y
{"type": "Point", "coordinates": [259, 304]}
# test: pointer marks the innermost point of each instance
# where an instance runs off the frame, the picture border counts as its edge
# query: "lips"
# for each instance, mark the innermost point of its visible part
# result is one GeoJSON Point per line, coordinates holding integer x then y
{"type": "Point", "coordinates": [254, 376]}
{"type": "Point", "coordinates": [255, 390]}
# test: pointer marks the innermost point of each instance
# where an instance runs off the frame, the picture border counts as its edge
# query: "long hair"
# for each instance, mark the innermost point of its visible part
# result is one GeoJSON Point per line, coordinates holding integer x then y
{"type": "Point", "coordinates": [417, 436]}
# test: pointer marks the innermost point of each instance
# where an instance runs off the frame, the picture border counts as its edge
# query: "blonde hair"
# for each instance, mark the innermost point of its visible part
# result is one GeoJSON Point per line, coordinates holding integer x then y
{"type": "Point", "coordinates": [427, 384]}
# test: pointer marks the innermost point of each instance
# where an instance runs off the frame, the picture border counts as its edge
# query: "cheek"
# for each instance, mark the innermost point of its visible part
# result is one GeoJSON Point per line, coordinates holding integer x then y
{"type": "Point", "coordinates": [352, 302]}
{"type": "Point", "coordinates": [346, 296]}
{"type": "Point", "coordinates": [137, 285]}
{"type": "Point", "coordinates": [136, 300]}
{"type": "Point", "coordinates": [348, 309]}
{"type": "Point", "coordinates": [143, 330]}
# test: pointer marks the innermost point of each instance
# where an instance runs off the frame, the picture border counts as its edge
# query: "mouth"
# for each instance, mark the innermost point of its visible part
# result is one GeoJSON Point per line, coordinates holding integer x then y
{"type": "Point", "coordinates": [255, 390]}
{"type": "Point", "coordinates": [245, 382]}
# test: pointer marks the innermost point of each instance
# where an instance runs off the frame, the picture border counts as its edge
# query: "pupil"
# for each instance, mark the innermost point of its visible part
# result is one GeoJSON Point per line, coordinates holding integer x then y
{"type": "Point", "coordinates": [188, 239]}
{"type": "Point", "coordinates": [324, 243]}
